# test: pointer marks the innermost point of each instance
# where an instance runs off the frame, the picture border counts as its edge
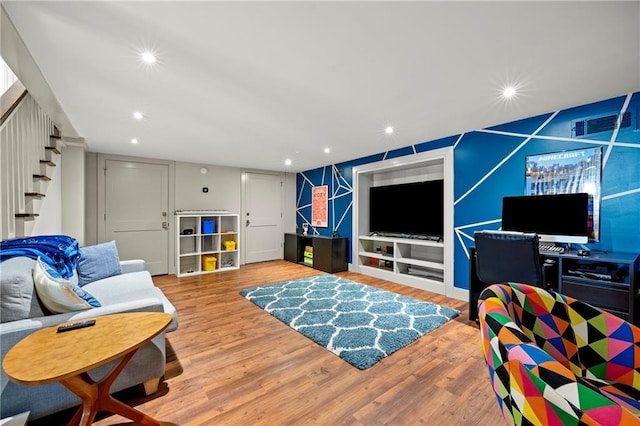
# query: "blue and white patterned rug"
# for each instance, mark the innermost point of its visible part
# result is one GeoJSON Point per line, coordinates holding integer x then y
{"type": "Point", "coordinates": [359, 323]}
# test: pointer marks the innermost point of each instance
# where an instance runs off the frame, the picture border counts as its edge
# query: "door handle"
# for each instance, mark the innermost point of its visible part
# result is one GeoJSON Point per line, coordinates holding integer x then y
{"type": "Point", "coordinates": [165, 225]}
{"type": "Point", "coordinates": [248, 222]}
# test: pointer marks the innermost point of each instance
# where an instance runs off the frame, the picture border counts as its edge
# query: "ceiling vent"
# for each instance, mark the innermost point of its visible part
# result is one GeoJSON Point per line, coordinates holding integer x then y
{"type": "Point", "coordinates": [601, 124]}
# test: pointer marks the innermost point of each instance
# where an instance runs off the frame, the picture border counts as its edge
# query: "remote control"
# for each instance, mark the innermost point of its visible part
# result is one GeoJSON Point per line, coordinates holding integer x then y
{"type": "Point", "coordinates": [74, 325]}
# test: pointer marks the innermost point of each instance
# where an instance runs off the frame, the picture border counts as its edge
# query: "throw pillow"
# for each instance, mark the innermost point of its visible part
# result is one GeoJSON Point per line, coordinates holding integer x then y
{"type": "Point", "coordinates": [98, 262]}
{"type": "Point", "coordinates": [58, 294]}
{"type": "Point", "coordinates": [18, 299]}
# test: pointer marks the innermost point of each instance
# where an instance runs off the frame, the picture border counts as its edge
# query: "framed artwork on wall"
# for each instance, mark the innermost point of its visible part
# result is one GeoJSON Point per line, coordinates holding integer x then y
{"type": "Point", "coordinates": [319, 206]}
{"type": "Point", "coordinates": [568, 172]}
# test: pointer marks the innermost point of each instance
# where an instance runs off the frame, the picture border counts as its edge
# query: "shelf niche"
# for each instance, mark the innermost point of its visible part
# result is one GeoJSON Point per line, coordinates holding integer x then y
{"type": "Point", "coordinates": [423, 264]}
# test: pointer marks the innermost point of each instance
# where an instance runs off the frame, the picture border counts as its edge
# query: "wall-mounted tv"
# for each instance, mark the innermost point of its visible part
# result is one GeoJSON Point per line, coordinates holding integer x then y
{"type": "Point", "coordinates": [559, 218]}
{"type": "Point", "coordinates": [407, 210]}
{"type": "Point", "coordinates": [568, 172]}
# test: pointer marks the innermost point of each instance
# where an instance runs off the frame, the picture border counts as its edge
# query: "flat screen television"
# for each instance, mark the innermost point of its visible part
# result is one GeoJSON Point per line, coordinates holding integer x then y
{"type": "Point", "coordinates": [407, 210]}
{"type": "Point", "coordinates": [559, 218]}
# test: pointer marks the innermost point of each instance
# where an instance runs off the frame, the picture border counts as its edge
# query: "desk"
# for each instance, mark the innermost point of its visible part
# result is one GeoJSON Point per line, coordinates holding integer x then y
{"type": "Point", "coordinates": [47, 356]}
{"type": "Point", "coordinates": [618, 295]}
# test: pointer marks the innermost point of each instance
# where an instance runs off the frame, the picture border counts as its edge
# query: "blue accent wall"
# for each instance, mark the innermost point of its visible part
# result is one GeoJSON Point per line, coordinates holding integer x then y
{"type": "Point", "coordinates": [490, 164]}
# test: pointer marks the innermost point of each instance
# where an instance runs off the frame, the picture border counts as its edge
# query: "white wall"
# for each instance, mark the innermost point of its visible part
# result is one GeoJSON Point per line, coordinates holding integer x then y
{"type": "Point", "coordinates": [289, 212]}
{"type": "Point", "coordinates": [223, 183]}
{"type": "Point", "coordinates": [49, 220]}
{"type": "Point", "coordinates": [185, 192]}
{"type": "Point", "coordinates": [91, 198]}
{"type": "Point", "coordinates": [73, 194]}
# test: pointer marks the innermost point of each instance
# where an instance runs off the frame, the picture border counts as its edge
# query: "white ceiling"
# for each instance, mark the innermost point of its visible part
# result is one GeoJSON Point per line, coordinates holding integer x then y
{"type": "Point", "coordinates": [248, 84]}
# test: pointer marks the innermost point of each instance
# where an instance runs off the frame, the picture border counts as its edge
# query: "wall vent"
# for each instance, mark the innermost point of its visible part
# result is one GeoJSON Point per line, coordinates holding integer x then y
{"type": "Point", "coordinates": [601, 124]}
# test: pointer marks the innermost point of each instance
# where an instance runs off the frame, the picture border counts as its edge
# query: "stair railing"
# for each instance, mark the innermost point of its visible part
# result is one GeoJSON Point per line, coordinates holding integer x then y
{"type": "Point", "coordinates": [25, 137]}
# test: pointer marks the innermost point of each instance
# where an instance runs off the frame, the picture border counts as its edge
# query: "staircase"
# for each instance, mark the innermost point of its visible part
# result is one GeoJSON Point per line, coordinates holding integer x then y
{"type": "Point", "coordinates": [29, 152]}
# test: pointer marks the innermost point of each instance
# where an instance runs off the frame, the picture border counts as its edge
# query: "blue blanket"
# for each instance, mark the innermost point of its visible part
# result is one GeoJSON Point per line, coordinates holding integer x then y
{"type": "Point", "coordinates": [61, 252]}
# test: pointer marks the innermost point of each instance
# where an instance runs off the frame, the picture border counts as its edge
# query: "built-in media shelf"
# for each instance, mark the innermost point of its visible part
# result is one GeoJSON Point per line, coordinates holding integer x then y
{"type": "Point", "coordinates": [419, 263]}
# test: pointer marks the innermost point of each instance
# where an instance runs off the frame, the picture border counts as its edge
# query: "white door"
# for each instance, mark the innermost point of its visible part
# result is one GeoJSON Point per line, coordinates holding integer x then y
{"type": "Point", "coordinates": [262, 220]}
{"type": "Point", "coordinates": [137, 212]}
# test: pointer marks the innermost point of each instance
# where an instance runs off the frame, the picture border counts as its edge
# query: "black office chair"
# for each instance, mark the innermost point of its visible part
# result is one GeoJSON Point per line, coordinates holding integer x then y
{"type": "Point", "coordinates": [504, 256]}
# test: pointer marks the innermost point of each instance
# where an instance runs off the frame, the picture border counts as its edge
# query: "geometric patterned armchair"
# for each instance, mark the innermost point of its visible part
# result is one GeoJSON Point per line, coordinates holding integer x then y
{"type": "Point", "coordinates": [554, 360]}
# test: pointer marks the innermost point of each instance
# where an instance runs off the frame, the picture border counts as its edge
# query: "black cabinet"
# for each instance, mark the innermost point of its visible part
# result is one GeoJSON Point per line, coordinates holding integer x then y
{"type": "Point", "coordinates": [608, 281]}
{"type": "Point", "coordinates": [329, 253]}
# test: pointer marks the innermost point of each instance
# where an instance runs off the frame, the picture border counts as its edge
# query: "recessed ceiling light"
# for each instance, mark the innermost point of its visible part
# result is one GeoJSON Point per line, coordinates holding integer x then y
{"type": "Point", "coordinates": [287, 162]}
{"type": "Point", "coordinates": [388, 130]}
{"type": "Point", "coordinates": [327, 150]}
{"type": "Point", "coordinates": [134, 141]}
{"type": "Point", "coordinates": [138, 115]}
{"type": "Point", "coordinates": [148, 57]}
{"type": "Point", "coordinates": [509, 92]}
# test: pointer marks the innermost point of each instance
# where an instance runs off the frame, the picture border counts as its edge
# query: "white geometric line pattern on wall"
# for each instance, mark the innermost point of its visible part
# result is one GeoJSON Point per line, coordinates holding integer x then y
{"type": "Point", "coordinates": [614, 134]}
{"type": "Point", "coordinates": [621, 194]}
{"type": "Point", "coordinates": [339, 187]}
{"type": "Point", "coordinates": [610, 144]}
{"type": "Point", "coordinates": [506, 158]}
{"type": "Point", "coordinates": [489, 164]}
{"type": "Point", "coordinates": [460, 234]}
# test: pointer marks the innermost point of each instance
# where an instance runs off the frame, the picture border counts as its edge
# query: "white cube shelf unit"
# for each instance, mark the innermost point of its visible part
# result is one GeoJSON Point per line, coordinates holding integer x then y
{"type": "Point", "coordinates": [207, 243]}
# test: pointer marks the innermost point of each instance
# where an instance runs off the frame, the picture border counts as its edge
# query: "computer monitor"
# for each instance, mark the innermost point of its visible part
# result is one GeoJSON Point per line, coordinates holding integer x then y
{"type": "Point", "coordinates": [559, 218]}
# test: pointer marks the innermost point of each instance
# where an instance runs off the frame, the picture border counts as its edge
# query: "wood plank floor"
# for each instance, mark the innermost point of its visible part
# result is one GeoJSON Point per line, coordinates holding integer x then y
{"type": "Point", "coordinates": [230, 363]}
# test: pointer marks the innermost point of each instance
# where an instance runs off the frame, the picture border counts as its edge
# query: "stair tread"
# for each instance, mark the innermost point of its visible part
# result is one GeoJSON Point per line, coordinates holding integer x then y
{"type": "Point", "coordinates": [48, 163]}
{"type": "Point", "coordinates": [34, 194]}
{"type": "Point", "coordinates": [53, 149]}
{"type": "Point", "coordinates": [41, 177]}
{"type": "Point", "coordinates": [24, 215]}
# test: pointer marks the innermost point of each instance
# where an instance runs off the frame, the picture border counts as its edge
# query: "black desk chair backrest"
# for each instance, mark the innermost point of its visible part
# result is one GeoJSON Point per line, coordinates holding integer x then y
{"type": "Point", "coordinates": [504, 256]}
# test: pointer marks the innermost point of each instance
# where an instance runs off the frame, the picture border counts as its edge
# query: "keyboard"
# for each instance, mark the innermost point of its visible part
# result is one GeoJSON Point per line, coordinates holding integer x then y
{"type": "Point", "coordinates": [549, 248]}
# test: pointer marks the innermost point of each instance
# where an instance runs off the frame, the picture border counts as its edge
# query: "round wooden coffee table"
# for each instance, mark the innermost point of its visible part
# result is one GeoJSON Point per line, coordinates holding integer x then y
{"type": "Point", "coordinates": [47, 356]}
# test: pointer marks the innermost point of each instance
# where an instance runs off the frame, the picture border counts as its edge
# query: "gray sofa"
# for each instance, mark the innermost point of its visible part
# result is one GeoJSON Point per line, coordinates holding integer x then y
{"type": "Point", "coordinates": [22, 314]}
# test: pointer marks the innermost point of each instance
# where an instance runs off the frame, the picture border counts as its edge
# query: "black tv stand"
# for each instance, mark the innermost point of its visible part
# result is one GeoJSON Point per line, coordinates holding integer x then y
{"type": "Point", "coordinates": [329, 253]}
